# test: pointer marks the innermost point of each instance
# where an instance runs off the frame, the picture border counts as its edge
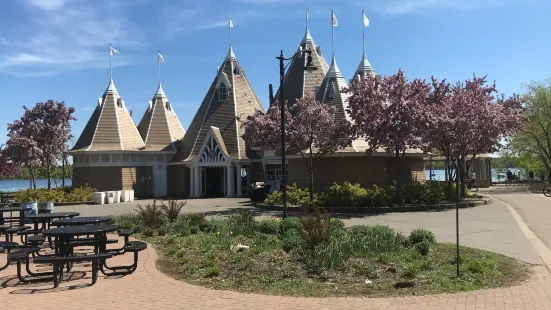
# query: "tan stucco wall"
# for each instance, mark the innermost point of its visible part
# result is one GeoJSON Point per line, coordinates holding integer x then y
{"type": "Point", "coordinates": [364, 170]}
{"type": "Point", "coordinates": [178, 181]}
{"type": "Point", "coordinates": [115, 178]}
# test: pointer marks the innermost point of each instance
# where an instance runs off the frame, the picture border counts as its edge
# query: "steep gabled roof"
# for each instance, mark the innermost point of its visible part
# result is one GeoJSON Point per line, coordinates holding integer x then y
{"type": "Point", "coordinates": [160, 128]}
{"type": "Point", "coordinates": [330, 92]}
{"type": "Point", "coordinates": [225, 114]}
{"type": "Point", "coordinates": [298, 82]}
{"type": "Point", "coordinates": [364, 68]}
{"type": "Point", "coordinates": [110, 127]}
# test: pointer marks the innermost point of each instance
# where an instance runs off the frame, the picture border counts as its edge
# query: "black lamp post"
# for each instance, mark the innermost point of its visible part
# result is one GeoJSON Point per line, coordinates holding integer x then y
{"type": "Point", "coordinates": [309, 67]}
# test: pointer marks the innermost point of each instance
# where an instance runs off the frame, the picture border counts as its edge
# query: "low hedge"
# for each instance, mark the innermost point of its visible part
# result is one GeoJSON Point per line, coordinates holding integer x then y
{"type": "Point", "coordinates": [348, 195]}
{"type": "Point", "coordinates": [58, 194]}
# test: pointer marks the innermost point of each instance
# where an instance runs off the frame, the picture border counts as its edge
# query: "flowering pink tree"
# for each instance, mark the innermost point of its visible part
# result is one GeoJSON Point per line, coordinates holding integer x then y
{"type": "Point", "coordinates": [52, 121]}
{"type": "Point", "coordinates": [311, 131]}
{"type": "Point", "coordinates": [466, 120]}
{"type": "Point", "coordinates": [40, 137]}
{"type": "Point", "coordinates": [7, 168]}
{"type": "Point", "coordinates": [387, 114]}
{"type": "Point", "coordinates": [21, 149]}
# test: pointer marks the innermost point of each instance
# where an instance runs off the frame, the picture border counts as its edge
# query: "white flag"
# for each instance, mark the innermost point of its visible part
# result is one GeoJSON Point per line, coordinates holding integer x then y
{"type": "Point", "coordinates": [334, 19]}
{"type": "Point", "coordinates": [231, 23]}
{"type": "Point", "coordinates": [366, 21]}
{"type": "Point", "coordinates": [113, 51]}
{"type": "Point", "coordinates": [160, 57]}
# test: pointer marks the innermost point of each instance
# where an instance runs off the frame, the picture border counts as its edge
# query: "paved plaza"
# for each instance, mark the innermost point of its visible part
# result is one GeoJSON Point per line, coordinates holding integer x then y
{"type": "Point", "coordinates": [494, 227]}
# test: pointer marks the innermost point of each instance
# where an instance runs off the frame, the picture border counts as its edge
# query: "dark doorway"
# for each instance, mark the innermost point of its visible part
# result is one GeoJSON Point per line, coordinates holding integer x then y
{"type": "Point", "coordinates": [214, 182]}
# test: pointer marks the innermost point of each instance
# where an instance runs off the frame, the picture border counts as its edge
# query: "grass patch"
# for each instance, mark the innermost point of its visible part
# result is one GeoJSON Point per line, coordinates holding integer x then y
{"type": "Point", "coordinates": [286, 257]}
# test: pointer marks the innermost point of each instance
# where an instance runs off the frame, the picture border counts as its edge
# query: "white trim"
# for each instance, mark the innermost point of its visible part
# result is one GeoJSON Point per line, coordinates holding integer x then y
{"type": "Point", "coordinates": [212, 145]}
{"type": "Point", "coordinates": [118, 123]}
{"type": "Point", "coordinates": [235, 111]}
{"type": "Point", "coordinates": [168, 124]}
{"type": "Point", "coordinates": [150, 121]}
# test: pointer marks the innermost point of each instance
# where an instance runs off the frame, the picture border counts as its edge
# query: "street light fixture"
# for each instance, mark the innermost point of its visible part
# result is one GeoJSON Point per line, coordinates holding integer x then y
{"type": "Point", "coordinates": [309, 68]}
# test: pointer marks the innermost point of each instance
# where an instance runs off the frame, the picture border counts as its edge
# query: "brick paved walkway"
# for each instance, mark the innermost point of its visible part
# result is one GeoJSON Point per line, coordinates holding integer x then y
{"type": "Point", "coordinates": [147, 288]}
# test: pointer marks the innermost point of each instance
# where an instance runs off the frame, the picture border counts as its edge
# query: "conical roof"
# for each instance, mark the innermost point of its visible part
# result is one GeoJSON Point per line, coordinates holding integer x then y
{"type": "Point", "coordinates": [110, 128]}
{"type": "Point", "coordinates": [364, 68]}
{"type": "Point", "coordinates": [228, 102]}
{"type": "Point", "coordinates": [298, 82]}
{"type": "Point", "coordinates": [160, 128]}
{"type": "Point", "coordinates": [330, 92]}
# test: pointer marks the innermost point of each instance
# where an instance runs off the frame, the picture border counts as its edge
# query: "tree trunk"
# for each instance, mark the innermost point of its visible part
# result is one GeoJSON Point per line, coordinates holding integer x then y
{"type": "Point", "coordinates": [462, 176]}
{"type": "Point", "coordinates": [311, 168]}
{"type": "Point", "coordinates": [33, 180]}
{"type": "Point", "coordinates": [398, 170]}
{"type": "Point", "coordinates": [49, 174]}
{"type": "Point", "coordinates": [63, 171]}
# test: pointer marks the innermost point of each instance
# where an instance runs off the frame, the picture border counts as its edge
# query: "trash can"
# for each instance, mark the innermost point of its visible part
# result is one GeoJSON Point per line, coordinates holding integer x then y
{"type": "Point", "coordinates": [28, 208]}
{"type": "Point", "coordinates": [258, 191]}
{"type": "Point", "coordinates": [45, 207]}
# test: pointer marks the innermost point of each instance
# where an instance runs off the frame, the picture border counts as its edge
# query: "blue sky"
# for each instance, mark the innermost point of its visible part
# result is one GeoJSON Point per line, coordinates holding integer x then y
{"type": "Point", "coordinates": [58, 49]}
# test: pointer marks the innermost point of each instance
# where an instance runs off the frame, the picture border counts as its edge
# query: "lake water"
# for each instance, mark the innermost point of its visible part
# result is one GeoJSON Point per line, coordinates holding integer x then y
{"type": "Point", "coordinates": [440, 175]}
{"type": "Point", "coordinates": [15, 185]}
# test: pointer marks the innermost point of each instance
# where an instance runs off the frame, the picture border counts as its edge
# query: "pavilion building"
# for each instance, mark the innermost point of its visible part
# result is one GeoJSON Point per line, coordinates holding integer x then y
{"type": "Point", "coordinates": [211, 159]}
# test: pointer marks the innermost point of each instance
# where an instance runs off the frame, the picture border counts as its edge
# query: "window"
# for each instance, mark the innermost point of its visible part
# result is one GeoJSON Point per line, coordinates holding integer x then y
{"type": "Point", "coordinates": [236, 70]}
{"type": "Point", "coordinates": [223, 92]}
{"type": "Point", "coordinates": [168, 106]}
{"type": "Point", "coordinates": [274, 171]}
{"type": "Point", "coordinates": [119, 102]}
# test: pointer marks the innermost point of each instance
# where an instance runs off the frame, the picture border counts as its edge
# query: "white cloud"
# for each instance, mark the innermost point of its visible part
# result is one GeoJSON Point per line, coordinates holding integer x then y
{"type": "Point", "coordinates": [68, 35]}
{"type": "Point", "coordinates": [413, 6]}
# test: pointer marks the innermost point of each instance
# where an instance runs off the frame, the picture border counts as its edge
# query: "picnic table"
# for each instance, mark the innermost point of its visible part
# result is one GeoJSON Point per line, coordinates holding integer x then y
{"type": "Point", "coordinates": [11, 210]}
{"type": "Point", "coordinates": [64, 243]}
{"type": "Point", "coordinates": [47, 218]}
{"type": "Point", "coordinates": [79, 221]}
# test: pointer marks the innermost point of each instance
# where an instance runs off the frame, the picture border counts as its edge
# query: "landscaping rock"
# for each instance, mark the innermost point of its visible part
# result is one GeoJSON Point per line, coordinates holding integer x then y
{"type": "Point", "coordinates": [368, 281]}
{"type": "Point", "coordinates": [392, 268]}
{"type": "Point", "coordinates": [240, 248]}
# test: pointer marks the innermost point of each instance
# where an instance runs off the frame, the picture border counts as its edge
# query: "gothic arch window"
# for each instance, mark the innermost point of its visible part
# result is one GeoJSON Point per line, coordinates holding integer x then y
{"type": "Point", "coordinates": [222, 91]}
{"type": "Point", "coordinates": [212, 152]}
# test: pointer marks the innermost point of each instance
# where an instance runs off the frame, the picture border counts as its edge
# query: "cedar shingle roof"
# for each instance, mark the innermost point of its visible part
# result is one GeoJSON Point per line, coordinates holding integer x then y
{"type": "Point", "coordinates": [160, 128]}
{"type": "Point", "coordinates": [298, 82]}
{"type": "Point", "coordinates": [224, 114]}
{"type": "Point", "coordinates": [110, 128]}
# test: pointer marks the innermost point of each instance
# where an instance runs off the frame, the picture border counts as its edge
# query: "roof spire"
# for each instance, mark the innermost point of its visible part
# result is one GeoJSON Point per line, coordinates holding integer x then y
{"type": "Point", "coordinates": [334, 70]}
{"type": "Point", "coordinates": [364, 68]}
{"type": "Point", "coordinates": [111, 89]}
{"type": "Point", "coordinates": [160, 92]}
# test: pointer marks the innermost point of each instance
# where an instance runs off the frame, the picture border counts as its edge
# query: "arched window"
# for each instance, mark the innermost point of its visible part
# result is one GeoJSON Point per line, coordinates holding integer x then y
{"type": "Point", "coordinates": [223, 92]}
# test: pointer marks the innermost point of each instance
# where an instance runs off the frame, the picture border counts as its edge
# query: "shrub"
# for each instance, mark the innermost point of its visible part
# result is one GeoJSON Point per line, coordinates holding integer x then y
{"type": "Point", "coordinates": [413, 193]}
{"type": "Point", "coordinates": [148, 232]}
{"type": "Point", "coordinates": [344, 195]}
{"type": "Point", "coordinates": [151, 214]}
{"type": "Point", "coordinates": [296, 197]}
{"type": "Point", "coordinates": [432, 193]}
{"type": "Point", "coordinates": [58, 194]}
{"type": "Point", "coordinates": [410, 271]}
{"type": "Point", "coordinates": [172, 209]}
{"type": "Point", "coordinates": [420, 235]}
{"type": "Point", "coordinates": [327, 256]}
{"type": "Point", "coordinates": [315, 229]}
{"type": "Point", "coordinates": [375, 239]}
{"type": "Point", "coordinates": [290, 223]}
{"type": "Point", "coordinates": [291, 240]}
{"type": "Point", "coordinates": [212, 272]}
{"type": "Point", "coordinates": [274, 199]}
{"type": "Point", "coordinates": [242, 222]}
{"type": "Point", "coordinates": [127, 220]}
{"type": "Point", "coordinates": [195, 220]}
{"type": "Point", "coordinates": [269, 226]}
{"type": "Point", "coordinates": [423, 247]}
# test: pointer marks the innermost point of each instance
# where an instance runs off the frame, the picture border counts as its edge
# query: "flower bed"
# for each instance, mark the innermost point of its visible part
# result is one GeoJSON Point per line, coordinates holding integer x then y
{"type": "Point", "coordinates": [316, 256]}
